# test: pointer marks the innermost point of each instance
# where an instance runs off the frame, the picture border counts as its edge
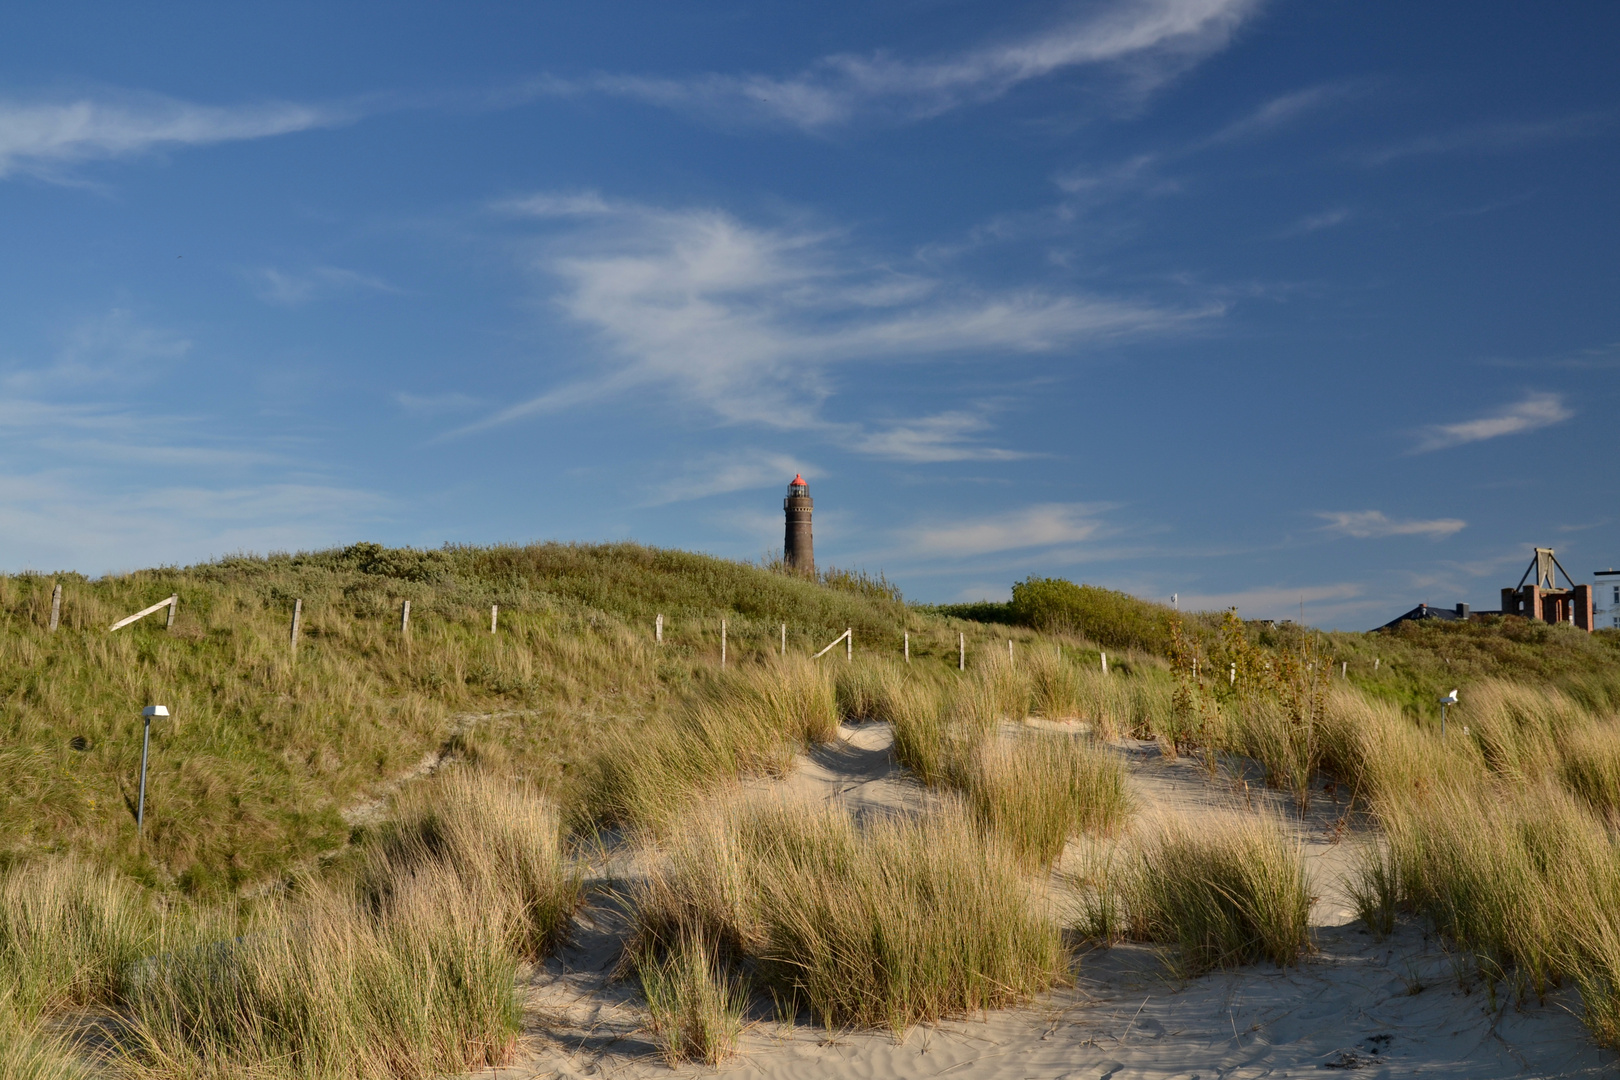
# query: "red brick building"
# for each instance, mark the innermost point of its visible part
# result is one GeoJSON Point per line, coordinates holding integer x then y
{"type": "Point", "coordinates": [1543, 600]}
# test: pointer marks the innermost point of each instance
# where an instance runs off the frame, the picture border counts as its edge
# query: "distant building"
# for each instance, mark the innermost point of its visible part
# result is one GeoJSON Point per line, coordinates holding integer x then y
{"type": "Point", "coordinates": [798, 547]}
{"type": "Point", "coordinates": [1606, 599]}
{"type": "Point", "coordinates": [1424, 611]}
{"type": "Point", "coordinates": [1585, 607]}
{"type": "Point", "coordinates": [1544, 600]}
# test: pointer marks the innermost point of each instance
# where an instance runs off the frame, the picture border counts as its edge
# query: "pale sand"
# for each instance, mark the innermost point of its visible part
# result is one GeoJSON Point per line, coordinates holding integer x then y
{"type": "Point", "coordinates": [1350, 1005]}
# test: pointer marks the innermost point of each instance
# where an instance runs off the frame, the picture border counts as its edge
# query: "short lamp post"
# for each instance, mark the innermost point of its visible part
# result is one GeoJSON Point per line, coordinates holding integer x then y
{"type": "Point", "coordinates": [159, 711]}
{"type": "Point", "coordinates": [1445, 702]}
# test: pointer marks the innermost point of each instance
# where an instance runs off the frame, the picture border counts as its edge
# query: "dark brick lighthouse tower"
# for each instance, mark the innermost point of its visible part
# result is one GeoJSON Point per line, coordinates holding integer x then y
{"type": "Point", "coordinates": [798, 551]}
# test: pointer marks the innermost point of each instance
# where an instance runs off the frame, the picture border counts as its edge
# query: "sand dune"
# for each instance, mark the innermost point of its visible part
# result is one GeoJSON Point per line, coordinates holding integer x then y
{"type": "Point", "coordinates": [1391, 1008]}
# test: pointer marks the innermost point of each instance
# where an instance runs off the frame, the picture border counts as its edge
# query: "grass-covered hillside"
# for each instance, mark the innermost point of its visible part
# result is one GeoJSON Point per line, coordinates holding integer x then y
{"type": "Point", "coordinates": [265, 750]}
{"type": "Point", "coordinates": [1410, 664]}
{"type": "Point", "coordinates": [570, 726]}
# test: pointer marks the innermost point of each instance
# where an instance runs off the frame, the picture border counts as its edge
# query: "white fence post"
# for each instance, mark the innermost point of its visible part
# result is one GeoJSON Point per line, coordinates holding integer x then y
{"type": "Point", "coordinates": [908, 646]}
{"type": "Point", "coordinates": [292, 636]}
{"type": "Point", "coordinates": [494, 612]}
{"type": "Point", "coordinates": [1009, 651]}
{"type": "Point", "coordinates": [722, 643]}
{"type": "Point", "coordinates": [849, 643]}
{"type": "Point", "coordinates": [784, 639]}
{"type": "Point", "coordinates": [56, 607]}
{"type": "Point", "coordinates": [405, 618]}
{"type": "Point", "coordinates": [174, 605]}
{"type": "Point", "coordinates": [1105, 663]}
{"type": "Point", "coordinates": [658, 630]}
{"type": "Point", "coordinates": [961, 652]}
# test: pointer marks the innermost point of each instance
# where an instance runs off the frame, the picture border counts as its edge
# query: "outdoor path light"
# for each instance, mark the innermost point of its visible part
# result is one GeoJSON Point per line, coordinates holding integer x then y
{"type": "Point", "coordinates": [1445, 702]}
{"type": "Point", "coordinates": [147, 713]}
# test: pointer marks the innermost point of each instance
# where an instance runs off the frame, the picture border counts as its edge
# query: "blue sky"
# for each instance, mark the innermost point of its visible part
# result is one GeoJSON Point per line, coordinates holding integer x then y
{"type": "Point", "coordinates": [1264, 304]}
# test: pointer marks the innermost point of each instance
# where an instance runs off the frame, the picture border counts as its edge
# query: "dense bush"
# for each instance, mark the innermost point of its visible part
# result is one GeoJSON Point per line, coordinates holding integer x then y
{"type": "Point", "coordinates": [1113, 619]}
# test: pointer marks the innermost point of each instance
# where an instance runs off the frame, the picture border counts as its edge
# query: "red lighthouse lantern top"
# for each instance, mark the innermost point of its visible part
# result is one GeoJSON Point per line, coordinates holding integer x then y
{"type": "Point", "coordinates": [798, 481]}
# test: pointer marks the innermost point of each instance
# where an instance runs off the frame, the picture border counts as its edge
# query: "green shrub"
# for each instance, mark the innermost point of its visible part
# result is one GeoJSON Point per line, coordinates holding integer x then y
{"type": "Point", "coordinates": [1112, 619]}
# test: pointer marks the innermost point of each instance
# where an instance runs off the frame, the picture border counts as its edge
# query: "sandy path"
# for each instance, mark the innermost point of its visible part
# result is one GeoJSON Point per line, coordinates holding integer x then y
{"type": "Point", "coordinates": [1350, 1005]}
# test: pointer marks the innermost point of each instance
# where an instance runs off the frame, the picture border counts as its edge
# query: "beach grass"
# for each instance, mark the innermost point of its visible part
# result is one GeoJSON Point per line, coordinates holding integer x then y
{"type": "Point", "coordinates": [1226, 890]}
{"type": "Point", "coordinates": [899, 922]}
{"type": "Point", "coordinates": [1036, 790]}
{"type": "Point", "coordinates": [696, 1006]}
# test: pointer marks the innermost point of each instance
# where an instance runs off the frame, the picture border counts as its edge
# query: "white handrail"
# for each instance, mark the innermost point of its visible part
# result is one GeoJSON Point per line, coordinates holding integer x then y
{"type": "Point", "coordinates": [835, 641]}
{"type": "Point", "coordinates": [159, 606]}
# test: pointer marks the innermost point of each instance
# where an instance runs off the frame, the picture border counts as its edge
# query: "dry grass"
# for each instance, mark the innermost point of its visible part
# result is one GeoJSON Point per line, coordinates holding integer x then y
{"type": "Point", "coordinates": [1498, 835]}
{"type": "Point", "coordinates": [1591, 767]}
{"type": "Point", "coordinates": [906, 921]}
{"type": "Point", "coordinates": [1037, 790]}
{"type": "Point", "coordinates": [28, 1052]}
{"type": "Point", "coordinates": [67, 933]}
{"type": "Point", "coordinates": [500, 840]}
{"type": "Point", "coordinates": [411, 975]}
{"type": "Point", "coordinates": [419, 986]}
{"type": "Point", "coordinates": [750, 722]}
{"type": "Point", "coordinates": [1227, 890]}
{"type": "Point", "coordinates": [697, 1008]}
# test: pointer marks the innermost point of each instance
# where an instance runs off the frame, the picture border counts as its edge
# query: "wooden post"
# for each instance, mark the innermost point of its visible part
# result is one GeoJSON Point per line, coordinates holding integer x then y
{"type": "Point", "coordinates": [174, 605]}
{"type": "Point", "coordinates": [1232, 679]}
{"type": "Point", "coordinates": [908, 646]}
{"type": "Point", "coordinates": [56, 607]}
{"type": "Point", "coordinates": [1009, 651]}
{"type": "Point", "coordinates": [849, 643]}
{"type": "Point", "coordinates": [658, 630]}
{"type": "Point", "coordinates": [1344, 669]}
{"type": "Point", "coordinates": [292, 638]}
{"type": "Point", "coordinates": [1105, 663]}
{"type": "Point", "coordinates": [722, 643]}
{"type": "Point", "coordinates": [405, 618]}
{"type": "Point", "coordinates": [961, 652]}
{"type": "Point", "coordinates": [1375, 663]}
{"type": "Point", "coordinates": [494, 612]}
{"type": "Point", "coordinates": [784, 639]}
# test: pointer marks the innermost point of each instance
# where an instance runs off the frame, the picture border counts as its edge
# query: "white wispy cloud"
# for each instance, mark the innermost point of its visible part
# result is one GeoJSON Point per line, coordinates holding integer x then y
{"type": "Point", "coordinates": [722, 474]}
{"type": "Point", "coordinates": [1271, 602]}
{"type": "Point", "coordinates": [949, 436]}
{"type": "Point", "coordinates": [64, 519]}
{"type": "Point", "coordinates": [1372, 524]}
{"type": "Point", "coordinates": [436, 404]}
{"type": "Point", "coordinates": [1043, 525]}
{"type": "Point", "coordinates": [748, 322]}
{"type": "Point", "coordinates": [289, 289]}
{"type": "Point", "coordinates": [1282, 111]}
{"type": "Point", "coordinates": [1311, 223]}
{"type": "Point", "coordinates": [1535, 411]}
{"type": "Point", "coordinates": [42, 138]}
{"type": "Point", "coordinates": [113, 347]}
{"type": "Point", "coordinates": [1489, 138]}
{"type": "Point", "coordinates": [1145, 42]}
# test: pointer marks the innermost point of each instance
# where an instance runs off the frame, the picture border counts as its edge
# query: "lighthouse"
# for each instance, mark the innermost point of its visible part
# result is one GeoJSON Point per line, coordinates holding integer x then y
{"type": "Point", "coordinates": [798, 551]}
